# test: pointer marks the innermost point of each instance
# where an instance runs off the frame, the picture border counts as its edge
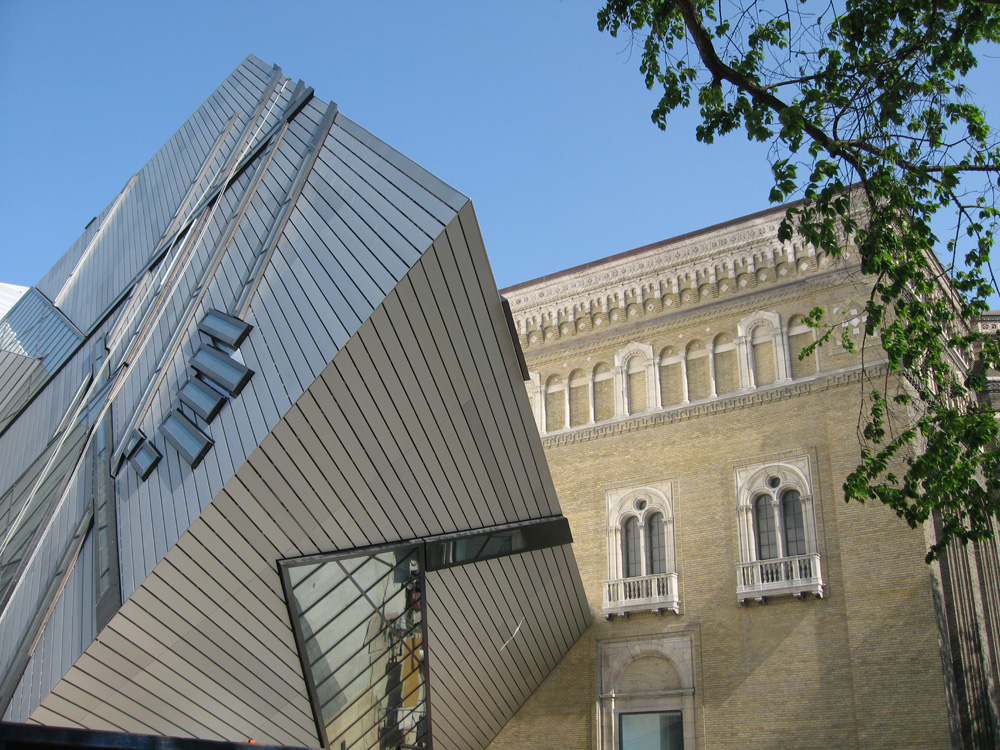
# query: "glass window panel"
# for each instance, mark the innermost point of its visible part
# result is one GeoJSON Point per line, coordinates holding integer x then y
{"type": "Point", "coordinates": [203, 400]}
{"type": "Point", "coordinates": [189, 441]}
{"type": "Point", "coordinates": [767, 539]}
{"type": "Point", "coordinates": [657, 544]}
{"type": "Point", "coordinates": [221, 368]}
{"type": "Point", "coordinates": [359, 624]}
{"type": "Point", "coordinates": [225, 328]}
{"type": "Point", "coordinates": [662, 730]}
{"type": "Point", "coordinates": [631, 553]}
{"type": "Point", "coordinates": [144, 459]}
{"type": "Point", "coordinates": [795, 535]}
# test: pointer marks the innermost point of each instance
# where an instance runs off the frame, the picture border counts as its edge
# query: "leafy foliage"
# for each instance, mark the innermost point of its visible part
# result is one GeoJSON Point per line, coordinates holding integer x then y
{"type": "Point", "coordinates": [871, 124]}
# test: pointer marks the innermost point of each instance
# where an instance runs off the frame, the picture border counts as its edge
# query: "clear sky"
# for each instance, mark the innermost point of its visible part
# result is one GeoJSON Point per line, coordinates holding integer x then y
{"type": "Point", "coordinates": [523, 106]}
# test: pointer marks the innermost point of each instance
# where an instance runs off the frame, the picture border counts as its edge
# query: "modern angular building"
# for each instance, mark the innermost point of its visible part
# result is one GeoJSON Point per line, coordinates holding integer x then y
{"type": "Point", "coordinates": [267, 466]}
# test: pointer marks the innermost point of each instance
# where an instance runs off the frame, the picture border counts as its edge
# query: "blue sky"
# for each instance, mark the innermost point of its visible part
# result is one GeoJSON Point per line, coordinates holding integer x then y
{"type": "Point", "coordinates": [523, 106]}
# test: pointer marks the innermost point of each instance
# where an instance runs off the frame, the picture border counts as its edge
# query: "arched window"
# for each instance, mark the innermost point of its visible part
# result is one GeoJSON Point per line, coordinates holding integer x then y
{"type": "Point", "coordinates": [641, 572]}
{"type": "Point", "coordinates": [579, 398]}
{"type": "Point", "coordinates": [635, 384]}
{"type": "Point", "coordinates": [555, 404]}
{"type": "Point", "coordinates": [800, 336]}
{"type": "Point", "coordinates": [604, 392]}
{"type": "Point", "coordinates": [762, 350]}
{"type": "Point", "coordinates": [727, 371]}
{"type": "Point", "coordinates": [634, 379]}
{"type": "Point", "coordinates": [792, 520]}
{"type": "Point", "coordinates": [646, 691]}
{"type": "Point", "coordinates": [778, 552]}
{"type": "Point", "coordinates": [764, 363]}
{"type": "Point", "coordinates": [698, 371]}
{"type": "Point", "coordinates": [671, 377]}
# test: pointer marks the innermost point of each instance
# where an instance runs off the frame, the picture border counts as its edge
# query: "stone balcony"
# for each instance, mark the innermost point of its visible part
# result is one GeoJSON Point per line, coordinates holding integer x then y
{"type": "Point", "coordinates": [653, 593]}
{"type": "Point", "coordinates": [797, 576]}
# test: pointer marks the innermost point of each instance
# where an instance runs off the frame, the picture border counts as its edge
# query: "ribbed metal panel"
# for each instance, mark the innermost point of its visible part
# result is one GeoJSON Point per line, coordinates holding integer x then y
{"type": "Point", "coordinates": [55, 277]}
{"type": "Point", "coordinates": [387, 404]}
{"type": "Point", "coordinates": [9, 294]}
{"type": "Point", "coordinates": [113, 256]}
{"type": "Point", "coordinates": [34, 328]}
{"type": "Point", "coordinates": [72, 501]}
{"type": "Point", "coordinates": [20, 378]}
{"type": "Point", "coordinates": [26, 437]}
{"type": "Point", "coordinates": [70, 630]}
{"type": "Point", "coordinates": [495, 630]}
{"type": "Point", "coordinates": [382, 446]}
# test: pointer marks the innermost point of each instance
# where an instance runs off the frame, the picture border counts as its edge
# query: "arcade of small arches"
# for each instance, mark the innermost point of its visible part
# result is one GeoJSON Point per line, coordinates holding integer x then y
{"type": "Point", "coordinates": [642, 379]}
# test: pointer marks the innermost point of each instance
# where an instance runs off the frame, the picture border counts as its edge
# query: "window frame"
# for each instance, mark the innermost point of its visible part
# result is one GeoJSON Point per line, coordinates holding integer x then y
{"type": "Point", "coordinates": [615, 656]}
{"type": "Point", "coordinates": [620, 715]}
{"type": "Point", "coordinates": [767, 485]}
{"type": "Point", "coordinates": [648, 591]}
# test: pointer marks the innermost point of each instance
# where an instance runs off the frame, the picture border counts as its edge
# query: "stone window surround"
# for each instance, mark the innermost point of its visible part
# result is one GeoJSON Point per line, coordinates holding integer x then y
{"type": "Point", "coordinates": [615, 656]}
{"type": "Point", "coordinates": [648, 592]}
{"type": "Point", "coordinates": [780, 576]}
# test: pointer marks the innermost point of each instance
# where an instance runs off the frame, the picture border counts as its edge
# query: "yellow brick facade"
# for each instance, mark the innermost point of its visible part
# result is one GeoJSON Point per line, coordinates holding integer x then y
{"type": "Point", "coordinates": [860, 667]}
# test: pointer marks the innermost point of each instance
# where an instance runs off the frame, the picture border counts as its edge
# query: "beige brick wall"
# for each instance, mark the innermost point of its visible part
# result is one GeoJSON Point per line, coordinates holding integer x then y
{"type": "Point", "coordinates": [579, 405]}
{"type": "Point", "coordinates": [698, 377]}
{"type": "Point", "coordinates": [604, 399]}
{"type": "Point", "coordinates": [801, 367]}
{"type": "Point", "coordinates": [671, 389]}
{"type": "Point", "coordinates": [555, 408]}
{"type": "Point", "coordinates": [763, 363]}
{"type": "Point", "coordinates": [860, 668]}
{"type": "Point", "coordinates": [727, 375]}
{"type": "Point", "coordinates": [637, 396]}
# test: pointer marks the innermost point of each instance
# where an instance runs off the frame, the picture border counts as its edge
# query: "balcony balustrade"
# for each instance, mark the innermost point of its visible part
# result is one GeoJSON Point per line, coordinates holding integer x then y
{"type": "Point", "coordinates": [653, 593]}
{"type": "Point", "coordinates": [798, 575]}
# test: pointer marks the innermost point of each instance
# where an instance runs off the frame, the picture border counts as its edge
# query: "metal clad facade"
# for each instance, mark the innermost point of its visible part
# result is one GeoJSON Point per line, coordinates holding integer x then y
{"type": "Point", "coordinates": [496, 629]}
{"type": "Point", "coordinates": [385, 404]}
{"type": "Point", "coordinates": [130, 231]}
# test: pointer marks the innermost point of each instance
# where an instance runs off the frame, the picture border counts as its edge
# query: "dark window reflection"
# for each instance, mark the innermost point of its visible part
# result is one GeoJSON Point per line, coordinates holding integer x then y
{"type": "Point", "coordinates": [361, 623]}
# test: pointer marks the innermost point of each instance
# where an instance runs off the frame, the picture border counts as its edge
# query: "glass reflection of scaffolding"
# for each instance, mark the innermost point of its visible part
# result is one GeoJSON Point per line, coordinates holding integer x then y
{"type": "Point", "coordinates": [361, 619]}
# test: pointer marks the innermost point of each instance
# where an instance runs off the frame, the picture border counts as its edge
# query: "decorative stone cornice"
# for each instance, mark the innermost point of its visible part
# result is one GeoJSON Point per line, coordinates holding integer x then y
{"type": "Point", "coordinates": [989, 322]}
{"type": "Point", "coordinates": [597, 341]}
{"type": "Point", "coordinates": [719, 264]}
{"type": "Point", "coordinates": [732, 402]}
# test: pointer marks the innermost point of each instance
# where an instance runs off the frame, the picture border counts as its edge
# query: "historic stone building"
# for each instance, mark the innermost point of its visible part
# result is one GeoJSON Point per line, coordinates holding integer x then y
{"type": "Point", "coordinates": [738, 601]}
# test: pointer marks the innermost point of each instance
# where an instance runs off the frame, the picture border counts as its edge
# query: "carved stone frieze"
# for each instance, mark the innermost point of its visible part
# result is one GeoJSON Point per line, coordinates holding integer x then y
{"type": "Point", "coordinates": [542, 311]}
{"type": "Point", "coordinates": [729, 259]}
{"type": "Point", "coordinates": [591, 339]}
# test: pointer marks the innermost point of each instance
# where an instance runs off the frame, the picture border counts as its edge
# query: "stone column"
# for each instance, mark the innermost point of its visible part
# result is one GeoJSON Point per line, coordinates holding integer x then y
{"type": "Point", "coordinates": [621, 389]}
{"type": "Point", "coordinates": [782, 355]}
{"type": "Point", "coordinates": [684, 378]}
{"type": "Point", "coordinates": [779, 527]}
{"type": "Point", "coordinates": [540, 406]}
{"type": "Point", "coordinates": [711, 371]}
{"type": "Point", "coordinates": [653, 383]}
{"type": "Point", "coordinates": [743, 363]}
{"type": "Point", "coordinates": [591, 398]}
